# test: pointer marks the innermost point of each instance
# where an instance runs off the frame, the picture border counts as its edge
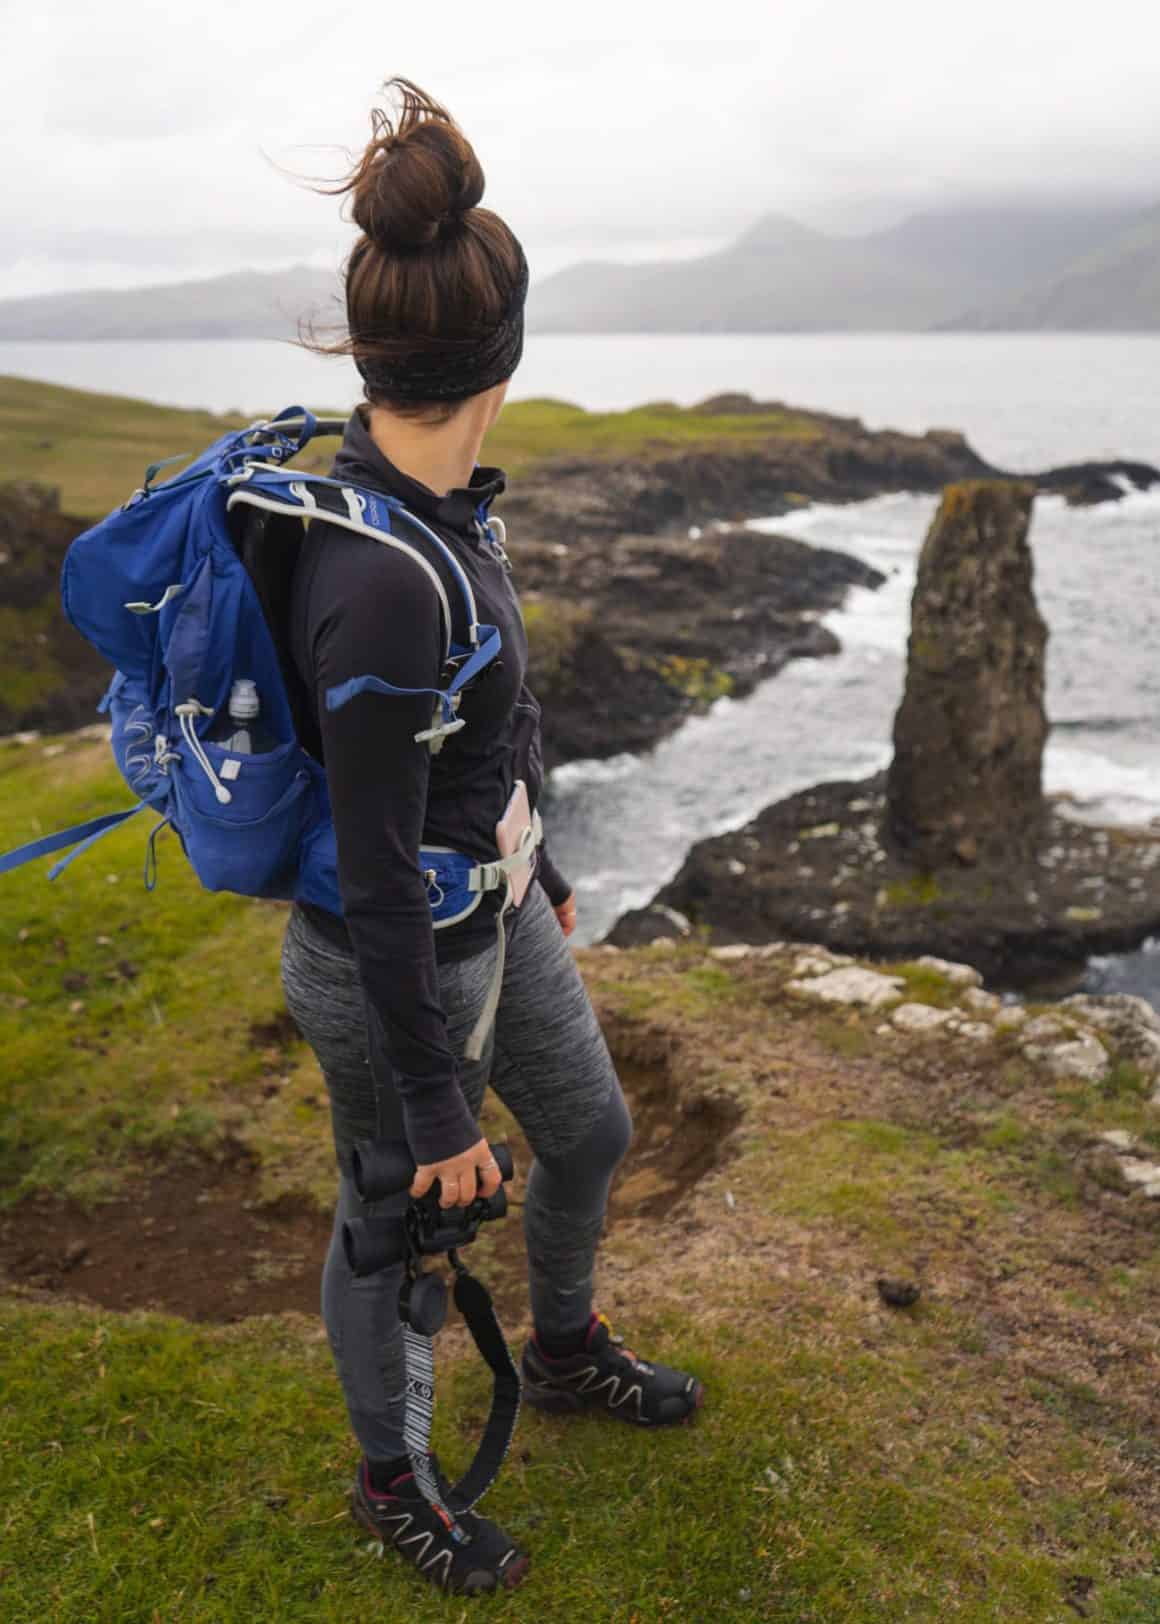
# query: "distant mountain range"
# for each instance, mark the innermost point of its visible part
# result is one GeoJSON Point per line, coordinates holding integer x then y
{"type": "Point", "coordinates": [243, 304]}
{"type": "Point", "coordinates": [1022, 269]}
{"type": "Point", "coordinates": [958, 269]}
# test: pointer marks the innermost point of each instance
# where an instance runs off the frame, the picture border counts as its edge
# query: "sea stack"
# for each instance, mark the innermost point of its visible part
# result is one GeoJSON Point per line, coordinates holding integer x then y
{"type": "Point", "coordinates": [953, 850]}
{"type": "Point", "coordinates": [966, 781]}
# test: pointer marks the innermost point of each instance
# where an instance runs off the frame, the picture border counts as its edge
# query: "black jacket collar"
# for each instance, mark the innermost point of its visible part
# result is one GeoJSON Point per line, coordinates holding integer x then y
{"type": "Point", "coordinates": [360, 460]}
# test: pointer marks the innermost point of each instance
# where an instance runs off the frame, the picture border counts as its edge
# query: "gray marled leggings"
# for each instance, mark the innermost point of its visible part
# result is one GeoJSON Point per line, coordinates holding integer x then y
{"type": "Point", "coordinates": [549, 1064]}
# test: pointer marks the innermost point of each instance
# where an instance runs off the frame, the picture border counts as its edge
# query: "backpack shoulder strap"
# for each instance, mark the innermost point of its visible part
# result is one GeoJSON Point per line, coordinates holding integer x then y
{"type": "Point", "coordinates": [380, 517]}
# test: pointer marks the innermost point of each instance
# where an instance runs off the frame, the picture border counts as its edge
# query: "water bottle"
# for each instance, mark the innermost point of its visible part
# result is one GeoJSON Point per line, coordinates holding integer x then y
{"type": "Point", "coordinates": [241, 731]}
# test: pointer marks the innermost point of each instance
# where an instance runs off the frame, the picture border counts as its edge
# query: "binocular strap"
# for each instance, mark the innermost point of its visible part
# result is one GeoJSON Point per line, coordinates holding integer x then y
{"type": "Point", "coordinates": [473, 1300]}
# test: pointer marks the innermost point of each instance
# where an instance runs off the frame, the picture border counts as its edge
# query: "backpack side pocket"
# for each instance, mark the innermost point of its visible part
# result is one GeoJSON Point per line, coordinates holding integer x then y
{"type": "Point", "coordinates": [250, 844]}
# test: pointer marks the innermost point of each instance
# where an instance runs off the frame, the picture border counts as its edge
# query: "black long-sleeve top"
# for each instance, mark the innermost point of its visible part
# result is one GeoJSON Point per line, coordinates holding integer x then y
{"type": "Point", "coordinates": [359, 607]}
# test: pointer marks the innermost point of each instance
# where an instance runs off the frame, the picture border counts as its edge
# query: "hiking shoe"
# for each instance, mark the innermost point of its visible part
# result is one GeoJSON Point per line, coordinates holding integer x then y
{"type": "Point", "coordinates": [486, 1561]}
{"type": "Point", "coordinates": [608, 1378]}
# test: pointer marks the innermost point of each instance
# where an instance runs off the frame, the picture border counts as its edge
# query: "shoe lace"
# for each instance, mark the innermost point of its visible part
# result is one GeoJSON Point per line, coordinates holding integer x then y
{"type": "Point", "coordinates": [616, 1340]}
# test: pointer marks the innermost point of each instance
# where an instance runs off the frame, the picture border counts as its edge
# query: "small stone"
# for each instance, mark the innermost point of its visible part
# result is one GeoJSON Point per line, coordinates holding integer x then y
{"type": "Point", "coordinates": [861, 806]}
{"type": "Point", "coordinates": [967, 851]}
{"type": "Point", "coordinates": [976, 1031]}
{"type": "Point", "coordinates": [1044, 1029]}
{"type": "Point", "coordinates": [76, 1006]}
{"type": "Point", "coordinates": [735, 867]}
{"type": "Point", "coordinates": [1119, 1139]}
{"type": "Point", "coordinates": [1143, 1173]}
{"type": "Point", "coordinates": [1083, 916]}
{"type": "Point", "coordinates": [730, 1201]}
{"type": "Point", "coordinates": [850, 986]}
{"type": "Point", "coordinates": [818, 962]}
{"type": "Point", "coordinates": [663, 944]}
{"type": "Point", "coordinates": [982, 1002]}
{"type": "Point", "coordinates": [74, 1254]}
{"type": "Point", "coordinates": [1085, 1060]}
{"type": "Point", "coordinates": [899, 1293]}
{"type": "Point", "coordinates": [918, 1018]}
{"type": "Point", "coordinates": [884, 1031]}
{"type": "Point", "coordinates": [959, 975]}
{"type": "Point", "coordinates": [822, 831]}
{"type": "Point", "coordinates": [734, 950]}
{"type": "Point", "coordinates": [1010, 1017]}
{"type": "Point", "coordinates": [1152, 1191]}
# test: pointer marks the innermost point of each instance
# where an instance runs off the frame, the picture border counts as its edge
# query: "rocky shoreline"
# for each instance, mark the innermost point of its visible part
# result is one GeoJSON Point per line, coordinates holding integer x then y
{"type": "Point", "coordinates": [646, 599]}
{"type": "Point", "coordinates": [815, 867]}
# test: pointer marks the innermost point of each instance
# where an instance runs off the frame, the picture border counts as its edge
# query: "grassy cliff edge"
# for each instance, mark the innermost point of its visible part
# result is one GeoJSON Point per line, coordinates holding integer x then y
{"type": "Point", "coordinates": [988, 1454]}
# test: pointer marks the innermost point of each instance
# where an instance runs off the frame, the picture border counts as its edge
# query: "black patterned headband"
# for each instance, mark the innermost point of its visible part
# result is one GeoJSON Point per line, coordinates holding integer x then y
{"type": "Point", "coordinates": [453, 368]}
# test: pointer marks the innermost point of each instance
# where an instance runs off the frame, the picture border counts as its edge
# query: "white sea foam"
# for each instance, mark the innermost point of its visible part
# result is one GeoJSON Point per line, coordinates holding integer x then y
{"type": "Point", "coordinates": [574, 775]}
{"type": "Point", "coordinates": [1106, 791]}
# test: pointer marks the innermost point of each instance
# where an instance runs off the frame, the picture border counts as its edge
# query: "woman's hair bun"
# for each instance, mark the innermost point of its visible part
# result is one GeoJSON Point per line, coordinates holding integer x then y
{"type": "Point", "coordinates": [419, 174]}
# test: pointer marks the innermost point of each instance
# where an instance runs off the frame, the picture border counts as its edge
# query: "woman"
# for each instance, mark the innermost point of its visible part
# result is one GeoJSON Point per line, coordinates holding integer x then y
{"type": "Point", "coordinates": [435, 288]}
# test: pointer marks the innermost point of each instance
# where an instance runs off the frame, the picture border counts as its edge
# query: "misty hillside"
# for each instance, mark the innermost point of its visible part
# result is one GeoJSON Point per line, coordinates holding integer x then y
{"type": "Point", "coordinates": [243, 304]}
{"type": "Point", "coordinates": [783, 277]}
{"type": "Point", "coordinates": [1114, 289]}
{"type": "Point", "coordinates": [960, 269]}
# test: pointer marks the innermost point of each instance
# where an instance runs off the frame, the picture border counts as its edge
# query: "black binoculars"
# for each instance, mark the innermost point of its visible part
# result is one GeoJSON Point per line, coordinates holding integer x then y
{"type": "Point", "coordinates": [381, 1168]}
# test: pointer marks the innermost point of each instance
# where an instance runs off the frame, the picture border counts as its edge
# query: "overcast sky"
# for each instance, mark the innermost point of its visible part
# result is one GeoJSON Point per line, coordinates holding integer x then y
{"type": "Point", "coordinates": [143, 144]}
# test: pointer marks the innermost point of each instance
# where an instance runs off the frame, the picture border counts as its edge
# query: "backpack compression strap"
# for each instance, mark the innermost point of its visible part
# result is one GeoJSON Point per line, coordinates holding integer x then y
{"type": "Point", "coordinates": [81, 836]}
{"type": "Point", "coordinates": [313, 497]}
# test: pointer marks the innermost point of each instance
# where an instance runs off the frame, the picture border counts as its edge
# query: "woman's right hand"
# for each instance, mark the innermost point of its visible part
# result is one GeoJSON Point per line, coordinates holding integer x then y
{"type": "Point", "coordinates": [458, 1174]}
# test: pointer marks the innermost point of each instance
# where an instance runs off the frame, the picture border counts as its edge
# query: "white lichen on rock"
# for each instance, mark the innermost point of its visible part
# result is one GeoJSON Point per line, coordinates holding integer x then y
{"type": "Point", "coordinates": [1083, 1060]}
{"type": "Point", "coordinates": [919, 1018]}
{"type": "Point", "coordinates": [850, 986]}
{"type": "Point", "coordinates": [1011, 1017]}
{"type": "Point", "coordinates": [959, 975]}
{"type": "Point", "coordinates": [984, 1003]}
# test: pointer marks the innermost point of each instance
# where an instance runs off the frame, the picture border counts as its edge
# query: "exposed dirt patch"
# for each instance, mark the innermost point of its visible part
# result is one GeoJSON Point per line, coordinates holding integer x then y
{"type": "Point", "coordinates": [680, 1135]}
{"type": "Point", "coordinates": [193, 1239]}
{"type": "Point", "coordinates": [190, 1240]}
{"type": "Point", "coordinates": [279, 1032]}
{"type": "Point", "coordinates": [681, 1131]}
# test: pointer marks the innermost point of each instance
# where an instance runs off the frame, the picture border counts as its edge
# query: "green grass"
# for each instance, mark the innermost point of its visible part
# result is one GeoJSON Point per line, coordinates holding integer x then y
{"type": "Point", "coordinates": [125, 1016]}
{"type": "Point", "coordinates": [95, 448]}
{"type": "Point", "coordinates": [853, 1466]}
{"type": "Point", "coordinates": [155, 1470]}
{"type": "Point", "coordinates": [917, 891]}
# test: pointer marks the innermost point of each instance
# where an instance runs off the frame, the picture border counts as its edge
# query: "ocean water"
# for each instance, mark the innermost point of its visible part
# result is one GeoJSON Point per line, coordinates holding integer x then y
{"type": "Point", "coordinates": [832, 718]}
{"type": "Point", "coordinates": [1024, 400]}
{"type": "Point", "coordinates": [621, 828]}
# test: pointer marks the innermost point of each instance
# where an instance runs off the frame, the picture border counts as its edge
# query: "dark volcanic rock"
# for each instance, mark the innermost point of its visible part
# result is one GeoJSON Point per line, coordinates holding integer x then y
{"type": "Point", "coordinates": [630, 634]}
{"type": "Point", "coordinates": [966, 779]}
{"type": "Point", "coordinates": [815, 868]}
{"type": "Point", "coordinates": [49, 676]}
{"type": "Point", "coordinates": [1085, 483]}
{"type": "Point", "coordinates": [954, 851]}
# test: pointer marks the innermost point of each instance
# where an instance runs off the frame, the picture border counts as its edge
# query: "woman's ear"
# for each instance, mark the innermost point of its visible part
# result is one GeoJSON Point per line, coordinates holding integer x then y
{"type": "Point", "coordinates": [499, 395]}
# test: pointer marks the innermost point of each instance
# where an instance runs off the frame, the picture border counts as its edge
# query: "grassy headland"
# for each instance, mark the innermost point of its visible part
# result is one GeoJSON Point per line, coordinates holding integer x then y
{"type": "Point", "coordinates": [988, 1455]}
{"type": "Point", "coordinates": [95, 448]}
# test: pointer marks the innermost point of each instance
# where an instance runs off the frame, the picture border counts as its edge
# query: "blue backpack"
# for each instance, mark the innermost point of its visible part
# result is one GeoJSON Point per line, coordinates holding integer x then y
{"type": "Point", "coordinates": [160, 588]}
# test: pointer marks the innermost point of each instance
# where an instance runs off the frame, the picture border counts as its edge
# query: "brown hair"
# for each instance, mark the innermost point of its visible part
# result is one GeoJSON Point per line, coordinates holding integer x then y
{"type": "Point", "coordinates": [431, 268]}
